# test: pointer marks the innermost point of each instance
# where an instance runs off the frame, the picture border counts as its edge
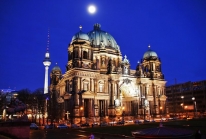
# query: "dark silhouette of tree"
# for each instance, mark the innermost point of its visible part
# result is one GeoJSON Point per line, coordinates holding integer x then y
{"type": "Point", "coordinates": [24, 95]}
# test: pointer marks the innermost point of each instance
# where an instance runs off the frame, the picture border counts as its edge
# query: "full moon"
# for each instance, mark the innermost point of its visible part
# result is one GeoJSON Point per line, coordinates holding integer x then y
{"type": "Point", "coordinates": [92, 9]}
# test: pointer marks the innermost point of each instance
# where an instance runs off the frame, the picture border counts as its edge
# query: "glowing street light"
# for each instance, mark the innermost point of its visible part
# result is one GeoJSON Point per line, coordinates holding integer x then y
{"type": "Point", "coordinates": [161, 111]}
{"type": "Point", "coordinates": [186, 110]}
{"type": "Point", "coordinates": [195, 109]}
{"type": "Point", "coordinates": [182, 104]}
{"type": "Point", "coordinates": [81, 108]}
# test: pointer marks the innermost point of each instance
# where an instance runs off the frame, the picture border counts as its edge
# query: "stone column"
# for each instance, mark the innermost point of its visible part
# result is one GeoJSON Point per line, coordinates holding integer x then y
{"type": "Point", "coordinates": [111, 109]}
{"type": "Point", "coordinates": [80, 84]}
{"type": "Point", "coordinates": [95, 99]}
{"type": "Point", "coordinates": [111, 100]}
{"type": "Point", "coordinates": [91, 84]}
{"type": "Point", "coordinates": [76, 91]}
{"type": "Point", "coordinates": [79, 52]}
{"type": "Point", "coordinates": [117, 89]}
{"type": "Point", "coordinates": [104, 89]}
{"type": "Point", "coordinates": [155, 99]}
{"type": "Point", "coordinates": [76, 97]}
{"type": "Point", "coordinates": [141, 94]}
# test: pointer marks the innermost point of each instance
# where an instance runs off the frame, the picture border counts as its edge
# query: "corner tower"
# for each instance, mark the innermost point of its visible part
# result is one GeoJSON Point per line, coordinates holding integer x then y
{"type": "Point", "coordinates": [47, 63]}
{"type": "Point", "coordinates": [152, 84]}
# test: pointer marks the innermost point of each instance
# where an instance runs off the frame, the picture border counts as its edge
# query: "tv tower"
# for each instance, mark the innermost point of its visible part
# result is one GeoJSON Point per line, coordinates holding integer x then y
{"type": "Point", "coordinates": [47, 63]}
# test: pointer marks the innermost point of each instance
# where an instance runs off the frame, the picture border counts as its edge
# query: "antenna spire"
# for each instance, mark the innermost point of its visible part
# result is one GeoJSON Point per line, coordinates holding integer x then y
{"type": "Point", "coordinates": [48, 37]}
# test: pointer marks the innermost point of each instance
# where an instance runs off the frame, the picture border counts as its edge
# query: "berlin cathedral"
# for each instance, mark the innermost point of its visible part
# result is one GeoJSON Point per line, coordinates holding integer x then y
{"type": "Point", "coordinates": [99, 85]}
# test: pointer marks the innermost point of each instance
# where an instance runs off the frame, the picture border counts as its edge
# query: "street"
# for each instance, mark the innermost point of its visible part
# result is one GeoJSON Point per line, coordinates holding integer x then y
{"type": "Point", "coordinates": [57, 133]}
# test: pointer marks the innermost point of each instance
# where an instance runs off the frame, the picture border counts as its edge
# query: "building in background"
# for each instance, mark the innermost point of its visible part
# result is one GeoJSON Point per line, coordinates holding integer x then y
{"type": "Point", "coordinates": [187, 99]}
{"type": "Point", "coordinates": [99, 85]}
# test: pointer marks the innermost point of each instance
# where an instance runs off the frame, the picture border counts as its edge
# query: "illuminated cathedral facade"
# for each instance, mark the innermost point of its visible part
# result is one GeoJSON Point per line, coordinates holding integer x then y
{"type": "Point", "coordinates": [99, 84]}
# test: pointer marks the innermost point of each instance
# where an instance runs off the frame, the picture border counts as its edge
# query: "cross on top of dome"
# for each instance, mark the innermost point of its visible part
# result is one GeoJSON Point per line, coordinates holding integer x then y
{"type": "Point", "coordinates": [80, 27]}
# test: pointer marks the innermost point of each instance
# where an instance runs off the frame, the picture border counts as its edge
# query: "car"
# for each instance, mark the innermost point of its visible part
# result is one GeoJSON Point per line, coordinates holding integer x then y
{"type": "Point", "coordinates": [75, 126]}
{"type": "Point", "coordinates": [51, 126]}
{"type": "Point", "coordinates": [85, 125]}
{"type": "Point", "coordinates": [34, 126]}
{"type": "Point", "coordinates": [95, 124]}
{"type": "Point", "coordinates": [103, 124]}
{"type": "Point", "coordinates": [152, 120]}
{"type": "Point", "coordinates": [137, 121]}
{"type": "Point", "coordinates": [112, 122]}
{"type": "Point", "coordinates": [120, 123]}
{"type": "Point", "coordinates": [62, 126]}
{"type": "Point", "coordinates": [129, 121]}
{"type": "Point", "coordinates": [146, 121]}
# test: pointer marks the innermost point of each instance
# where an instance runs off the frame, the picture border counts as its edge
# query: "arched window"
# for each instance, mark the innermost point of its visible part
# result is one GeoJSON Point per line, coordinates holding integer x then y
{"type": "Point", "coordinates": [76, 53]}
{"type": "Point", "coordinates": [101, 86]}
{"type": "Point", "coordinates": [85, 56]}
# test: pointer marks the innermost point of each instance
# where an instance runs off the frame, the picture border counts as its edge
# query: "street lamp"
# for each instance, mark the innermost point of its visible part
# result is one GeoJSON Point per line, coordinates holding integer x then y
{"type": "Point", "coordinates": [161, 112]}
{"type": "Point", "coordinates": [182, 109]}
{"type": "Point", "coordinates": [186, 110]}
{"type": "Point", "coordinates": [195, 109]}
{"type": "Point", "coordinates": [123, 113]}
{"type": "Point", "coordinates": [182, 104]}
{"type": "Point", "coordinates": [81, 108]}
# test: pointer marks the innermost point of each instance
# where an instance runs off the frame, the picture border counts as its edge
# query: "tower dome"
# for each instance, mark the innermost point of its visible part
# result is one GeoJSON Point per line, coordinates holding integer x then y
{"type": "Point", "coordinates": [80, 35]}
{"type": "Point", "coordinates": [150, 54]}
{"type": "Point", "coordinates": [99, 37]}
{"type": "Point", "coordinates": [56, 68]}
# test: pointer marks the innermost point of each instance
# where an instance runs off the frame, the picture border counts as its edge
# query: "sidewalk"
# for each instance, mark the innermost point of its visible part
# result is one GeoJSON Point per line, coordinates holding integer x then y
{"type": "Point", "coordinates": [4, 137]}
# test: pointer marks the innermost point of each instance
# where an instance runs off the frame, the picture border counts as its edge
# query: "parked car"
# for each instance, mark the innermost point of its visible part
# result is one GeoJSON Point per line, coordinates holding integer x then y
{"type": "Point", "coordinates": [103, 124]}
{"type": "Point", "coordinates": [112, 122]}
{"type": "Point", "coordinates": [51, 126]}
{"type": "Point", "coordinates": [34, 126]}
{"type": "Point", "coordinates": [95, 124]}
{"type": "Point", "coordinates": [62, 126]}
{"type": "Point", "coordinates": [75, 126]}
{"type": "Point", "coordinates": [137, 121]}
{"type": "Point", "coordinates": [120, 123]}
{"type": "Point", "coordinates": [129, 121]}
{"type": "Point", "coordinates": [85, 125]}
{"type": "Point", "coordinates": [146, 121]}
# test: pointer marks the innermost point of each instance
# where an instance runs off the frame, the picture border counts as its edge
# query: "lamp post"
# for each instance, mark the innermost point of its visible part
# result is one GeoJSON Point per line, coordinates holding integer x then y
{"type": "Point", "coordinates": [81, 108]}
{"type": "Point", "coordinates": [195, 107]}
{"type": "Point", "coordinates": [161, 112]}
{"type": "Point", "coordinates": [186, 110]}
{"type": "Point", "coordinates": [123, 113]}
{"type": "Point", "coordinates": [182, 104]}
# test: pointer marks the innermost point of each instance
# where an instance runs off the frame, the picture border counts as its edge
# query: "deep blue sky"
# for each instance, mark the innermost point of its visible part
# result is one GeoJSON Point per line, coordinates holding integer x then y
{"type": "Point", "coordinates": [175, 29]}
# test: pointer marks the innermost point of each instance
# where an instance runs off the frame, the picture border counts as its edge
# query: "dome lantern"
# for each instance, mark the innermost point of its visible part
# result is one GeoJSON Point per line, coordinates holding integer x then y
{"type": "Point", "coordinates": [150, 54]}
{"type": "Point", "coordinates": [80, 35]}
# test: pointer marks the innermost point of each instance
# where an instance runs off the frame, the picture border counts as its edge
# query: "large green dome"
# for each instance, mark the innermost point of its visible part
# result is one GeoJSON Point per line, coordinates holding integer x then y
{"type": "Point", "coordinates": [99, 37]}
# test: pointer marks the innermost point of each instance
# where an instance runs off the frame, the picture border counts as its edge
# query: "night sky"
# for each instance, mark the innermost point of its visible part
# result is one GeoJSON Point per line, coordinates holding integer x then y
{"type": "Point", "coordinates": [175, 29]}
